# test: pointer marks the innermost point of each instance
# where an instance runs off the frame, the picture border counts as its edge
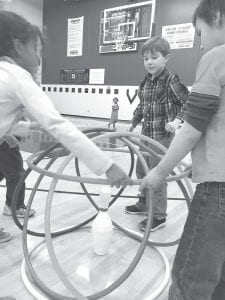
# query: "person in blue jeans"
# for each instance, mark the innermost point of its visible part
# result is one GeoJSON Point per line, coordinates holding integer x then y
{"type": "Point", "coordinates": [11, 168]}
{"type": "Point", "coordinates": [199, 266]}
{"type": "Point", "coordinates": [162, 97]}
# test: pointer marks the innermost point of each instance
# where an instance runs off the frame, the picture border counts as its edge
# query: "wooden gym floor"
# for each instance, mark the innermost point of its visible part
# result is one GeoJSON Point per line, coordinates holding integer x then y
{"type": "Point", "coordinates": [87, 271]}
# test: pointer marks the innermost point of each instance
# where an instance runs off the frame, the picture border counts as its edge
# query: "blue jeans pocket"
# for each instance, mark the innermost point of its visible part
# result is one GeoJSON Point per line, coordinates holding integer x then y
{"type": "Point", "coordinates": [222, 199]}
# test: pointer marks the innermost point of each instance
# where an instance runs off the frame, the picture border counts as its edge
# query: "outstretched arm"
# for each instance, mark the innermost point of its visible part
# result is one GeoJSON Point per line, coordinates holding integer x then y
{"type": "Point", "coordinates": [184, 141]}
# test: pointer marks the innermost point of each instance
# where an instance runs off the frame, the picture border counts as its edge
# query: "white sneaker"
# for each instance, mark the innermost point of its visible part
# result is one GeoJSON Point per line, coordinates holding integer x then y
{"type": "Point", "coordinates": [4, 236]}
{"type": "Point", "coordinates": [21, 212]}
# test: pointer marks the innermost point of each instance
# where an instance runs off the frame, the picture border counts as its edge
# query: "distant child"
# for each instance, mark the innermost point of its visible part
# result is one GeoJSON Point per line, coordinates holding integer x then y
{"type": "Point", "coordinates": [199, 266]}
{"type": "Point", "coordinates": [20, 49]}
{"type": "Point", "coordinates": [162, 98]}
{"type": "Point", "coordinates": [114, 113]}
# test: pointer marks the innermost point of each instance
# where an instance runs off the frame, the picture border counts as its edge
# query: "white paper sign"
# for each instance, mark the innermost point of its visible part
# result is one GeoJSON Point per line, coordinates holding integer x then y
{"type": "Point", "coordinates": [180, 35]}
{"type": "Point", "coordinates": [97, 76]}
{"type": "Point", "coordinates": [75, 36]}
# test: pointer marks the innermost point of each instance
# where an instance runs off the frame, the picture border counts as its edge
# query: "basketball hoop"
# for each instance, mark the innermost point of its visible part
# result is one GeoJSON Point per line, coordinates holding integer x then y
{"type": "Point", "coordinates": [120, 39]}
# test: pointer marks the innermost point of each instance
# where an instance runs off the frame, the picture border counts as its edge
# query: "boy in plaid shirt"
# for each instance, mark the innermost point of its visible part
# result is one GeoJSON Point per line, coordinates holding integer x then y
{"type": "Point", "coordinates": [162, 98]}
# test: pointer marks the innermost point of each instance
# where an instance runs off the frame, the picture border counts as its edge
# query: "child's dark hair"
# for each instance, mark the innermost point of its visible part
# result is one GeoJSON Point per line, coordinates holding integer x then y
{"type": "Point", "coordinates": [206, 10]}
{"type": "Point", "coordinates": [156, 44]}
{"type": "Point", "coordinates": [15, 27]}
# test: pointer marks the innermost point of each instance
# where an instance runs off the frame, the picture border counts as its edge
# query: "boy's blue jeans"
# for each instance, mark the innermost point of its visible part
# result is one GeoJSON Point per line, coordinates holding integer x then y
{"type": "Point", "coordinates": [160, 196]}
{"type": "Point", "coordinates": [199, 266]}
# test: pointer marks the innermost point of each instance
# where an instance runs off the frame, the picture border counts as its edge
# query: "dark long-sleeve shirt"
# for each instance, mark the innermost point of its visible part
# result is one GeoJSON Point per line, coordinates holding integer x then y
{"type": "Point", "coordinates": [162, 99]}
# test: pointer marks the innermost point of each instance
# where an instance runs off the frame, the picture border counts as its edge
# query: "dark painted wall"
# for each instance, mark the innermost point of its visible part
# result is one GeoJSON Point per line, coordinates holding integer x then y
{"type": "Point", "coordinates": [182, 61]}
{"type": "Point", "coordinates": [120, 69]}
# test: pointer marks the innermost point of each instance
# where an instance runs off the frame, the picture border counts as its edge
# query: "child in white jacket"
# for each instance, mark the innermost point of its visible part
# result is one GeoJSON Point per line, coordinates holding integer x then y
{"type": "Point", "coordinates": [20, 48]}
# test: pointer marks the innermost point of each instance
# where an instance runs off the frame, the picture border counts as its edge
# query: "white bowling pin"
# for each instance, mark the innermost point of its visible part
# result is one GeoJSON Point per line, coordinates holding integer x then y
{"type": "Point", "coordinates": [102, 228]}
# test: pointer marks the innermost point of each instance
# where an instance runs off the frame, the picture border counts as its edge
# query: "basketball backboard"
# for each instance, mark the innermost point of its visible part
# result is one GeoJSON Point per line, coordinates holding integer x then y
{"type": "Point", "coordinates": [126, 25]}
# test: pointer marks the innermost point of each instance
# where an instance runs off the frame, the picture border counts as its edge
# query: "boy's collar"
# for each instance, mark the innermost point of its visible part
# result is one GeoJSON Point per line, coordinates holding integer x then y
{"type": "Point", "coordinates": [161, 75]}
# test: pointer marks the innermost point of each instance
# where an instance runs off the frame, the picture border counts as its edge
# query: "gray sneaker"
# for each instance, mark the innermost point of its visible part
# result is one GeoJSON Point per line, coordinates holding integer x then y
{"type": "Point", "coordinates": [4, 236]}
{"type": "Point", "coordinates": [20, 212]}
{"type": "Point", "coordinates": [156, 224]}
{"type": "Point", "coordinates": [134, 210]}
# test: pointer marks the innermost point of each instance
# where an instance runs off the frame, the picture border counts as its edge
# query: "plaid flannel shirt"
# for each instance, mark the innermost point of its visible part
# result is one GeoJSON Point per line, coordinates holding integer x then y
{"type": "Point", "coordinates": [162, 99]}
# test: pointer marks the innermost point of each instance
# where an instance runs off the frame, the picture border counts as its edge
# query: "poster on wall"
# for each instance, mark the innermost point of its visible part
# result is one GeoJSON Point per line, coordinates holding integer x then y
{"type": "Point", "coordinates": [179, 35]}
{"type": "Point", "coordinates": [97, 76]}
{"type": "Point", "coordinates": [75, 36]}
